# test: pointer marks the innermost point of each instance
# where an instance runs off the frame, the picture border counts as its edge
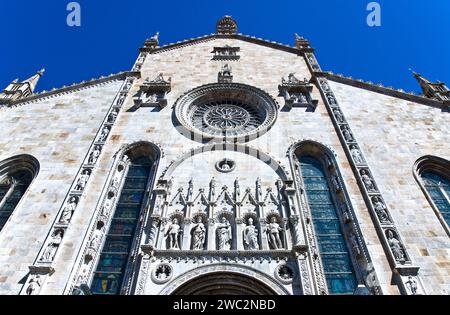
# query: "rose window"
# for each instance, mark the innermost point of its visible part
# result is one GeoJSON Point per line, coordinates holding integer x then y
{"type": "Point", "coordinates": [226, 111]}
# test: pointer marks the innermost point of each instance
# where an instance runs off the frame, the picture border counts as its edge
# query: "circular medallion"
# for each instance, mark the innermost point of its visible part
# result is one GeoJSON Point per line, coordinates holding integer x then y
{"type": "Point", "coordinates": [284, 274]}
{"type": "Point", "coordinates": [162, 273]}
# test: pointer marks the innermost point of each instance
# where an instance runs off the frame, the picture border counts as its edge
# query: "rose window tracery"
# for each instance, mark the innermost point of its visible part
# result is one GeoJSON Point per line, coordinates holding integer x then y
{"type": "Point", "coordinates": [229, 110]}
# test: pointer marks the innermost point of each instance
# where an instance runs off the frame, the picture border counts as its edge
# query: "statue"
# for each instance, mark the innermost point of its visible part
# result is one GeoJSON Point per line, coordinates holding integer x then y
{"type": "Point", "coordinates": [33, 285]}
{"type": "Point", "coordinates": [198, 234]}
{"type": "Point", "coordinates": [380, 209]}
{"type": "Point", "coordinates": [82, 181]}
{"type": "Point", "coordinates": [121, 99]}
{"type": "Point", "coordinates": [251, 236]}
{"type": "Point", "coordinates": [368, 182]}
{"type": "Point", "coordinates": [112, 117]}
{"type": "Point", "coordinates": [356, 154]}
{"type": "Point", "coordinates": [93, 157]}
{"type": "Point", "coordinates": [224, 234]}
{"type": "Point", "coordinates": [104, 135]}
{"type": "Point", "coordinates": [335, 182]}
{"type": "Point", "coordinates": [273, 230]}
{"type": "Point", "coordinates": [338, 115]}
{"type": "Point", "coordinates": [411, 284]}
{"type": "Point", "coordinates": [395, 246]}
{"type": "Point", "coordinates": [331, 99]}
{"type": "Point", "coordinates": [52, 246]}
{"type": "Point", "coordinates": [68, 210]}
{"type": "Point", "coordinates": [226, 70]}
{"type": "Point", "coordinates": [95, 241]}
{"type": "Point", "coordinates": [107, 205]}
{"type": "Point", "coordinates": [347, 134]}
{"type": "Point", "coordinates": [355, 244]}
{"type": "Point", "coordinates": [172, 234]}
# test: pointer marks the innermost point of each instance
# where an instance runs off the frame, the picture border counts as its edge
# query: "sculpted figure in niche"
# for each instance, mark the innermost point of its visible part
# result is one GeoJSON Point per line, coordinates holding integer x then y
{"type": "Point", "coordinates": [121, 99]}
{"type": "Point", "coordinates": [338, 115]}
{"type": "Point", "coordinates": [104, 135]}
{"type": "Point", "coordinates": [368, 181]}
{"type": "Point", "coordinates": [396, 246]}
{"type": "Point", "coordinates": [251, 236]}
{"type": "Point", "coordinates": [224, 236]}
{"type": "Point", "coordinates": [331, 99]}
{"type": "Point", "coordinates": [112, 117]}
{"type": "Point", "coordinates": [68, 210]}
{"type": "Point", "coordinates": [355, 244]}
{"type": "Point", "coordinates": [52, 246]}
{"type": "Point", "coordinates": [347, 134]}
{"type": "Point", "coordinates": [82, 181]}
{"type": "Point", "coordinates": [93, 157]}
{"type": "Point", "coordinates": [33, 285]}
{"type": "Point", "coordinates": [198, 234]}
{"type": "Point", "coordinates": [173, 233]}
{"type": "Point", "coordinates": [411, 284]}
{"type": "Point", "coordinates": [380, 209]}
{"type": "Point", "coordinates": [356, 154]}
{"type": "Point", "coordinates": [107, 206]}
{"type": "Point", "coordinates": [273, 230]}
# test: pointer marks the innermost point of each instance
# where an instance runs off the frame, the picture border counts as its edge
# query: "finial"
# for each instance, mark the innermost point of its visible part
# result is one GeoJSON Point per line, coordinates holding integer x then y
{"type": "Point", "coordinates": [41, 72]}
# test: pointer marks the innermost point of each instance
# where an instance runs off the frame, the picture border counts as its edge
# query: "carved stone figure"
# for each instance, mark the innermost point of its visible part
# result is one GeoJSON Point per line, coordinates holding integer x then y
{"type": "Point", "coordinates": [93, 157]}
{"type": "Point", "coordinates": [380, 209]}
{"type": "Point", "coordinates": [273, 230]}
{"type": "Point", "coordinates": [33, 285]}
{"type": "Point", "coordinates": [338, 115]}
{"type": "Point", "coordinates": [395, 246]}
{"type": "Point", "coordinates": [52, 246]}
{"type": "Point", "coordinates": [173, 233]}
{"type": "Point", "coordinates": [68, 210]}
{"type": "Point", "coordinates": [331, 99]}
{"type": "Point", "coordinates": [411, 284]}
{"type": "Point", "coordinates": [224, 236]}
{"type": "Point", "coordinates": [347, 134]}
{"type": "Point", "coordinates": [368, 181]}
{"type": "Point", "coordinates": [355, 244]}
{"type": "Point", "coordinates": [198, 234]}
{"type": "Point", "coordinates": [112, 117]}
{"type": "Point", "coordinates": [95, 241]}
{"type": "Point", "coordinates": [335, 182]}
{"type": "Point", "coordinates": [251, 236]}
{"type": "Point", "coordinates": [104, 134]}
{"type": "Point", "coordinates": [82, 181]}
{"type": "Point", "coordinates": [128, 85]}
{"type": "Point", "coordinates": [356, 154]}
{"type": "Point", "coordinates": [121, 99]}
{"type": "Point", "coordinates": [107, 205]}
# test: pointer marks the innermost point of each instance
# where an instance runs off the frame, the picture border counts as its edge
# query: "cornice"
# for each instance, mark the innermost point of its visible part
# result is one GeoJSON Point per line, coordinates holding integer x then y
{"type": "Point", "coordinates": [378, 88]}
{"type": "Point", "coordinates": [72, 88]}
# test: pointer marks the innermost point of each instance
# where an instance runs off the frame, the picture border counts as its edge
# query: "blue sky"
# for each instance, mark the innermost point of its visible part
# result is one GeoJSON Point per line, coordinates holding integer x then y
{"type": "Point", "coordinates": [414, 34]}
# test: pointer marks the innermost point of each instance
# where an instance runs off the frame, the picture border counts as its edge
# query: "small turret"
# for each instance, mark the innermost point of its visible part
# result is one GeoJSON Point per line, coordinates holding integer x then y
{"type": "Point", "coordinates": [437, 91]}
{"type": "Point", "coordinates": [17, 90]}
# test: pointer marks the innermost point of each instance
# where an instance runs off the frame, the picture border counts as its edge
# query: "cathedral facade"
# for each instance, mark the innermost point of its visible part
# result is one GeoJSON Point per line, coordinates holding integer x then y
{"type": "Point", "coordinates": [224, 164]}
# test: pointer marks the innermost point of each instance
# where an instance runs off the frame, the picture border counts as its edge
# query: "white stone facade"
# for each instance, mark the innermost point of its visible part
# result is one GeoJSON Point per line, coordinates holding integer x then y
{"type": "Point", "coordinates": [62, 129]}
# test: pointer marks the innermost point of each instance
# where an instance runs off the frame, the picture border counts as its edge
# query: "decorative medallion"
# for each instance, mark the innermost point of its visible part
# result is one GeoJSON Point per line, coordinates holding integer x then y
{"type": "Point", "coordinates": [284, 274]}
{"type": "Point", "coordinates": [162, 273]}
{"type": "Point", "coordinates": [225, 166]}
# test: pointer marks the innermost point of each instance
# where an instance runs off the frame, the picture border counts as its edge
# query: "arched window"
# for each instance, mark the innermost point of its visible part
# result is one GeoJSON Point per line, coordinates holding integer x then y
{"type": "Point", "coordinates": [114, 257]}
{"type": "Point", "coordinates": [16, 175]}
{"type": "Point", "coordinates": [334, 253]}
{"type": "Point", "coordinates": [433, 175]}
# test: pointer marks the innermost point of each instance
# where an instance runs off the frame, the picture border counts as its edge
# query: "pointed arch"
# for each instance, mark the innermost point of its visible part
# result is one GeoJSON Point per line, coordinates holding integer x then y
{"type": "Point", "coordinates": [128, 196]}
{"type": "Point", "coordinates": [16, 175]}
{"type": "Point", "coordinates": [338, 243]}
{"type": "Point", "coordinates": [432, 173]}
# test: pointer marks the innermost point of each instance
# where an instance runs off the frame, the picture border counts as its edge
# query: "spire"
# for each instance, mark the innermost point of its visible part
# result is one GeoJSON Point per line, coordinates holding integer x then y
{"type": "Point", "coordinates": [152, 42]}
{"type": "Point", "coordinates": [33, 81]}
{"type": "Point", "coordinates": [437, 90]}
{"type": "Point", "coordinates": [302, 43]}
{"type": "Point", "coordinates": [18, 90]}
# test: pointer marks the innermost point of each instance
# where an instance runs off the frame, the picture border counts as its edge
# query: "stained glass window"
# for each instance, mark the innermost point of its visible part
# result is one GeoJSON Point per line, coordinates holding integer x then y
{"type": "Point", "coordinates": [439, 189]}
{"type": "Point", "coordinates": [114, 256]}
{"type": "Point", "coordinates": [334, 253]}
{"type": "Point", "coordinates": [12, 189]}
